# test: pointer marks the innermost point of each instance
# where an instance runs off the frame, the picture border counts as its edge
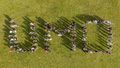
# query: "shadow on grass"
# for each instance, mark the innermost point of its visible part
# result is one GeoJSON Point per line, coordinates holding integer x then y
{"type": "Point", "coordinates": [26, 29]}
{"type": "Point", "coordinates": [79, 24]}
{"type": "Point", "coordinates": [85, 17]}
{"type": "Point", "coordinates": [81, 19]}
{"type": "Point", "coordinates": [102, 34]}
{"type": "Point", "coordinates": [40, 30]}
{"type": "Point", "coordinates": [62, 24]}
{"type": "Point", "coordinates": [6, 29]}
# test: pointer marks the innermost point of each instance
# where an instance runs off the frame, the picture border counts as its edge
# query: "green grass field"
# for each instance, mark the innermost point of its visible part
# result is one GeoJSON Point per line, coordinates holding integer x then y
{"type": "Point", "coordinates": [60, 56]}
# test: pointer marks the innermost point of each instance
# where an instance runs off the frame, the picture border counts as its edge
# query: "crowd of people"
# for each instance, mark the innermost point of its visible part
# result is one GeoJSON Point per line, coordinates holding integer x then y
{"type": "Point", "coordinates": [71, 29]}
{"type": "Point", "coordinates": [12, 37]}
{"type": "Point", "coordinates": [109, 40]}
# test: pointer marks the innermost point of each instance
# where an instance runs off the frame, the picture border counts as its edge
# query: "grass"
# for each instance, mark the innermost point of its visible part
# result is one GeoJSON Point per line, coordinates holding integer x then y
{"type": "Point", "coordinates": [60, 56]}
{"type": "Point", "coordinates": [91, 34]}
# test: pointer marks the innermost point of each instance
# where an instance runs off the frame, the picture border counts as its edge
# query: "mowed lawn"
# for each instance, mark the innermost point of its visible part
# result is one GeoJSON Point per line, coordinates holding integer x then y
{"type": "Point", "coordinates": [60, 56]}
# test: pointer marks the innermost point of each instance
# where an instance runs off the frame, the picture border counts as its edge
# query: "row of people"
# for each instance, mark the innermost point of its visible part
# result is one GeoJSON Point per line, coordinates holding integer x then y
{"type": "Point", "coordinates": [109, 41]}
{"type": "Point", "coordinates": [12, 37]}
{"type": "Point", "coordinates": [84, 38]}
{"type": "Point", "coordinates": [47, 36]}
{"type": "Point", "coordinates": [99, 22]}
{"type": "Point", "coordinates": [33, 37]}
{"type": "Point", "coordinates": [73, 35]}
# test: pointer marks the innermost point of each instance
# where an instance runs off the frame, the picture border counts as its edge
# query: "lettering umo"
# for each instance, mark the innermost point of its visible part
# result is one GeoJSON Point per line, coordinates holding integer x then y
{"type": "Point", "coordinates": [41, 36]}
